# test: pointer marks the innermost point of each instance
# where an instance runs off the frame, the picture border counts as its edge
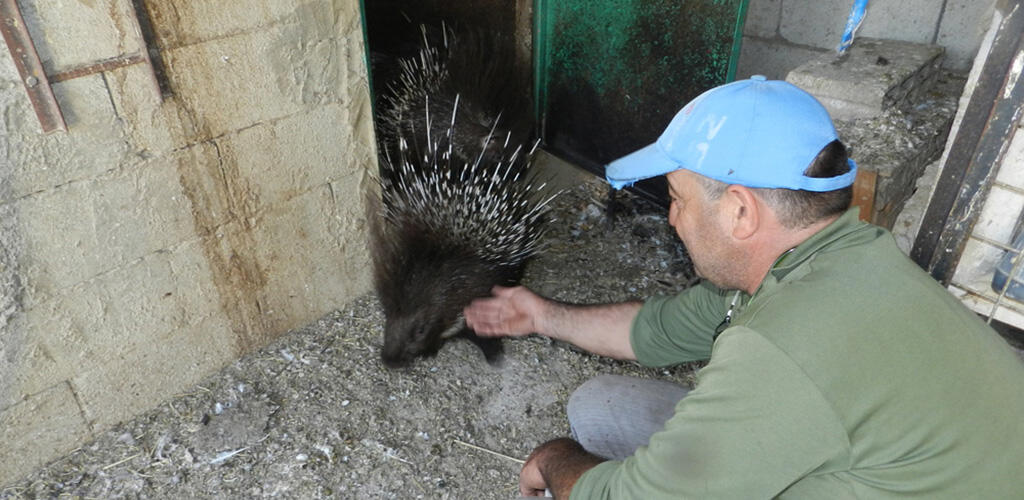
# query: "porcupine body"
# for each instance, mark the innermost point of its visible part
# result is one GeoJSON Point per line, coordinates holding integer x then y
{"type": "Point", "coordinates": [454, 61]}
{"type": "Point", "coordinates": [460, 211]}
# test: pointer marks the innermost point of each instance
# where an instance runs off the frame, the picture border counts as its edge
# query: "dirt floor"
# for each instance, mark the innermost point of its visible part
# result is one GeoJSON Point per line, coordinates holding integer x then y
{"type": "Point", "coordinates": [316, 414]}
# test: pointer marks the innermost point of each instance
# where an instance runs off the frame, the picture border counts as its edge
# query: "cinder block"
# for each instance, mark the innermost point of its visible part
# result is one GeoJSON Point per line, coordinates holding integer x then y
{"type": "Point", "coordinates": [149, 373]}
{"type": "Point", "coordinates": [38, 162]}
{"type": "Point", "coordinates": [977, 263]}
{"type": "Point", "coordinates": [8, 71]}
{"type": "Point", "coordinates": [999, 214]}
{"type": "Point", "coordinates": [186, 22]}
{"type": "Point", "coordinates": [308, 271]}
{"type": "Point", "coordinates": [83, 229]}
{"type": "Point", "coordinates": [153, 127]}
{"type": "Point", "coordinates": [873, 76]}
{"type": "Point", "coordinates": [280, 160]}
{"type": "Point", "coordinates": [311, 56]}
{"type": "Point", "coordinates": [358, 108]}
{"type": "Point", "coordinates": [963, 27]}
{"type": "Point", "coordinates": [124, 310]}
{"type": "Point", "coordinates": [821, 23]}
{"type": "Point", "coordinates": [204, 181]}
{"type": "Point", "coordinates": [1011, 170]}
{"type": "Point", "coordinates": [58, 28]}
{"type": "Point", "coordinates": [906, 20]}
{"type": "Point", "coordinates": [231, 83]}
{"type": "Point", "coordinates": [166, 291]}
{"type": "Point", "coordinates": [27, 367]}
{"type": "Point", "coordinates": [39, 429]}
{"type": "Point", "coordinates": [772, 58]}
{"type": "Point", "coordinates": [85, 103]}
{"type": "Point", "coordinates": [763, 18]}
{"type": "Point", "coordinates": [814, 24]}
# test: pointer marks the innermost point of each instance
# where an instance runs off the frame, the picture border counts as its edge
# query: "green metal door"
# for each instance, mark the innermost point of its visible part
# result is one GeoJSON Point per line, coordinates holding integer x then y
{"type": "Point", "coordinates": [611, 74]}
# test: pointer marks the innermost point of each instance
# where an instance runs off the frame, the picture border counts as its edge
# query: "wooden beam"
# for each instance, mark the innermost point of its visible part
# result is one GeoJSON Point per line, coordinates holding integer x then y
{"type": "Point", "coordinates": [864, 193]}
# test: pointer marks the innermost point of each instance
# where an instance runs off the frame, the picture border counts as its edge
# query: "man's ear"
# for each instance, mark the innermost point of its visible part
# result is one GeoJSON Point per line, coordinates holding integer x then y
{"type": "Point", "coordinates": [745, 212]}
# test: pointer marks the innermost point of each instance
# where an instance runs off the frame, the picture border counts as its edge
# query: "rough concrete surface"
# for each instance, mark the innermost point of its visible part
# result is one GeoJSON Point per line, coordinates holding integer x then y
{"type": "Point", "coordinates": [874, 75]}
{"type": "Point", "coordinates": [316, 415]}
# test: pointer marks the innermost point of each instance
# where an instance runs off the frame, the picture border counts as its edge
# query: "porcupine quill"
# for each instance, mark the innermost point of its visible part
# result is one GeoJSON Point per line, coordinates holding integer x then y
{"type": "Point", "coordinates": [460, 210]}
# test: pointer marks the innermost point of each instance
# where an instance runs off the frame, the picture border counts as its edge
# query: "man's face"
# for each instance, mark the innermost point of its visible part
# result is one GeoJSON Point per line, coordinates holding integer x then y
{"type": "Point", "coordinates": [697, 222]}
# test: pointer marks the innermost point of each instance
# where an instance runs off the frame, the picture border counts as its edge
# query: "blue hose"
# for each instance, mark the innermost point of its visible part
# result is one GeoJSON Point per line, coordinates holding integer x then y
{"type": "Point", "coordinates": [852, 23]}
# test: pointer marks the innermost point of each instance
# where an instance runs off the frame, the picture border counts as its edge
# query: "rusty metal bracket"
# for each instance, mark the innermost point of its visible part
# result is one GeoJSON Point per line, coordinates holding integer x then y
{"type": "Point", "coordinates": [26, 59]}
{"type": "Point", "coordinates": [105, 65]}
{"type": "Point", "coordinates": [37, 82]}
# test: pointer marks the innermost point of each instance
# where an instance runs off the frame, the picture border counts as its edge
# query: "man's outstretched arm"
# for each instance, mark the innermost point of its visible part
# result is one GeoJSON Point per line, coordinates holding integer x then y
{"type": "Point", "coordinates": [518, 311]}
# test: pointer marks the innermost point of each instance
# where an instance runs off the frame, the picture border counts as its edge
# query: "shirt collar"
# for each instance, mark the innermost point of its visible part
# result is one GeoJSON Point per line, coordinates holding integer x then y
{"type": "Point", "coordinates": [839, 229]}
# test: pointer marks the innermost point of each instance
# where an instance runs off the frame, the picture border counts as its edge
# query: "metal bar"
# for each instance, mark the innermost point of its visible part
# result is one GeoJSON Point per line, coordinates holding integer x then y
{"type": "Point", "coordinates": [107, 65]}
{"type": "Point", "coordinates": [1008, 187]}
{"type": "Point", "coordinates": [1017, 261]}
{"type": "Point", "coordinates": [965, 144]}
{"type": "Point", "coordinates": [150, 50]}
{"type": "Point", "coordinates": [989, 241]}
{"type": "Point", "coordinates": [30, 68]}
{"type": "Point", "coordinates": [737, 40]}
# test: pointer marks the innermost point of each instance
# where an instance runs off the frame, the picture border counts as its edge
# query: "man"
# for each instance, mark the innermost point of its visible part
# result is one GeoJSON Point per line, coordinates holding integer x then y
{"type": "Point", "coordinates": [836, 368]}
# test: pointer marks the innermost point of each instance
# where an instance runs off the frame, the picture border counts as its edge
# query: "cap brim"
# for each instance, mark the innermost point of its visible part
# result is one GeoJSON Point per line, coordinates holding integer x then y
{"type": "Point", "coordinates": [642, 164]}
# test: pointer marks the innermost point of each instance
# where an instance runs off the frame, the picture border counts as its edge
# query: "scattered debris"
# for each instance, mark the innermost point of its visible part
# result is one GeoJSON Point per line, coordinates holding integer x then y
{"type": "Point", "coordinates": [335, 423]}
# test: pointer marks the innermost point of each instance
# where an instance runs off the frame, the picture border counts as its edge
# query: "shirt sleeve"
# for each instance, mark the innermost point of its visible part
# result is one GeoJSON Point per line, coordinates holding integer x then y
{"type": "Point", "coordinates": [753, 426]}
{"type": "Point", "coordinates": [676, 329]}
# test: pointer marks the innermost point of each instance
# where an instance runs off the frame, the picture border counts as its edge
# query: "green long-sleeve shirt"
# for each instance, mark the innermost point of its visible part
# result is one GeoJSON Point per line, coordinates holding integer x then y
{"type": "Point", "coordinates": [850, 373]}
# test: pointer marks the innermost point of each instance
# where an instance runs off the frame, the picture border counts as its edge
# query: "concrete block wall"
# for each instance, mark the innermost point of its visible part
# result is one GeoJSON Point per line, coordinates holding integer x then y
{"type": "Point", "coordinates": [780, 35]}
{"type": "Point", "coordinates": [156, 241]}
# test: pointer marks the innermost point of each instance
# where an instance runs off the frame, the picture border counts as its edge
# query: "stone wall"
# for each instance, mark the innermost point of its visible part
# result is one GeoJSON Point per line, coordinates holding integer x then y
{"type": "Point", "coordinates": [158, 240]}
{"type": "Point", "coordinates": [780, 35]}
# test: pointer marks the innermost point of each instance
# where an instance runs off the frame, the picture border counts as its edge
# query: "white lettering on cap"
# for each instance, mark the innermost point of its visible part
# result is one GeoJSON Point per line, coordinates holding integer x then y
{"type": "Point", "coordinates": [712, 125]}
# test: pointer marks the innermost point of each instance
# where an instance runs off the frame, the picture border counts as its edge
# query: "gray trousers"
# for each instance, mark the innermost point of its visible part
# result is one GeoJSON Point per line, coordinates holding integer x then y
{"type": "Point", "coordinates": [613, 415]}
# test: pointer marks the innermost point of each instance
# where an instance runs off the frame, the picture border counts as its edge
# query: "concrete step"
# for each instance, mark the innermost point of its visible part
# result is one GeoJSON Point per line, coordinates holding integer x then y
{"type": "Point", "coordinates": [873, 75]}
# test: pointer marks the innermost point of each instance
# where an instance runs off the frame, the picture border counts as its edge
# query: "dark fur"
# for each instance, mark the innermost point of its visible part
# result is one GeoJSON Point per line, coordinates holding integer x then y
{"type": "Point", "coordinates": [479, 70]}
{"type": "Point", "coordinates": [423, 283]}
{"type": "Point", "coordinates": [425, 275]}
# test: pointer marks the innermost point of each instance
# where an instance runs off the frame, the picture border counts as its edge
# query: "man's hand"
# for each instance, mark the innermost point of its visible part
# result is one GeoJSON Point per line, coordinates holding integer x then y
{"type": "Point", "coordinates": [514, 312]}
{"type": "Point", "coordinates": [556, 466]}
{"type": "Point", "coordinates": [531, 482]}
{"type": "Point", "coordinates": [509, 311]}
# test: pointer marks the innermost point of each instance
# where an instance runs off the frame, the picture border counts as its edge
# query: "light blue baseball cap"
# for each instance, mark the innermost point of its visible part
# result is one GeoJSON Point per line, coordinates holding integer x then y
{"type": "Point", "coordinates": [758, 133]}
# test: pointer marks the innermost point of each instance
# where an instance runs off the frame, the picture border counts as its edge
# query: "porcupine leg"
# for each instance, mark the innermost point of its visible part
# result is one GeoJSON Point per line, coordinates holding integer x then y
{"type": "Point", "coordinates": [491, 347]}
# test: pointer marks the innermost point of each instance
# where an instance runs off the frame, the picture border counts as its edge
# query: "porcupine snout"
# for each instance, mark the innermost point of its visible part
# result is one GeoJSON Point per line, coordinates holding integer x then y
{"type": "Point", "coordinates": [409, 336]}
{"type": "Point", "coordinates": [424, 309]}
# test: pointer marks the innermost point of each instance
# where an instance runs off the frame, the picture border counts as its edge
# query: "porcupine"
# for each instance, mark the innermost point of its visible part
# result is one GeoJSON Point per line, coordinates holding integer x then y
{"type": "Point", "coordinates": [453, 61]}
{"type": "Point", "coordinates": [460, 211]}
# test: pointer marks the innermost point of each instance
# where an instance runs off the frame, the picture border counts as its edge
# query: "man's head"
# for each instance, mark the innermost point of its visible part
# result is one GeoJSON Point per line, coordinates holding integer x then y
{"type": "Point", "coordinates": [752, 167]}
{"type": "Point", "coordinates": [756, 133]}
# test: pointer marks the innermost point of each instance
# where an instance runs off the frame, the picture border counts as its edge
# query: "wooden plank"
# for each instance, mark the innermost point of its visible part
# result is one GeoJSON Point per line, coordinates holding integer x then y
{"type": "Point", "coordinates": [968, 138]}
{"type": "Point", "coordinates": [864, 193]}
{"type": "Point", "coordinates": [981, 171]}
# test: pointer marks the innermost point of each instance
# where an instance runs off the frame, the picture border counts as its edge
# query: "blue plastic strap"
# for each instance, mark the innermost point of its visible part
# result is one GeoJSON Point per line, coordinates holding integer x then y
{"type": "Point", "coordinates": [852, 23]}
